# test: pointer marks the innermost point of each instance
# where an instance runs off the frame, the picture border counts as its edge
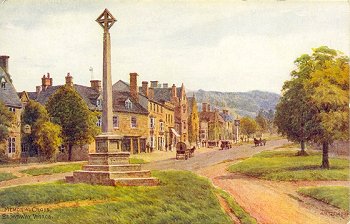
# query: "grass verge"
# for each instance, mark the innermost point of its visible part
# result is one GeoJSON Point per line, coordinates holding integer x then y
{"type": "Point", "coordinates": [53, 169]}
{"type": "Point", "coordinates": [337, 196]}
{"type": "Point", "coordinates": [7, 176]}
{"type": "Point", "coordinates": [285, 165]}
{"type": "Point", "coordinates": [239, 212]}
{"type": "Point", "coordinates": [182, 197]}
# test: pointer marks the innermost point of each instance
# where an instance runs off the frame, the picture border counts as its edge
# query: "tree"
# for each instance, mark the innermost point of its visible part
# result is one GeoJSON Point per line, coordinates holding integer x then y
{"type": "Point", "coordinates": [70, 111]}
{"type": "Point", "coordinates": [47, 138]}
{"type": "Point", "coordinates": [248, 126]}
{"type": "Point", "coordinates": [44, 138]}
{"type": "Point", "coordinates": [328, 92]}
{"type": "Point", "coordinates": [314, 104]}
{"type": "Point", "coordinates": [6, 120]}
{"type": "Point", "coordinates": [261, 121]}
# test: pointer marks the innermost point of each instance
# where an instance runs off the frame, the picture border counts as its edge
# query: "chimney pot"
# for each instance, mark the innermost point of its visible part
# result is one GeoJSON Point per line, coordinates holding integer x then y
{"type": "Point", "coordinates": [69, 80]}
{"type": "Point", "coordinates": [151, 93]}
{"type": "Point", "coordinates": [154, 84]}
{"type": "Point", "coordinates": [165, 85]}
{"type": "Point", "coordinates": [145, 88]}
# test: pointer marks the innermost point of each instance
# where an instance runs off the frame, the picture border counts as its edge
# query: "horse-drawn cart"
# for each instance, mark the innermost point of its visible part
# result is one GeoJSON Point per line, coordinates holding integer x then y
{"type": "Point", "coordinates": [183, 151]}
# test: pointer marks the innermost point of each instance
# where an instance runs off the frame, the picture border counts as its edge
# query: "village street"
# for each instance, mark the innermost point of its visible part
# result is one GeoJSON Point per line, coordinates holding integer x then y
{"type": "Point", "coordinates": [267, 201]}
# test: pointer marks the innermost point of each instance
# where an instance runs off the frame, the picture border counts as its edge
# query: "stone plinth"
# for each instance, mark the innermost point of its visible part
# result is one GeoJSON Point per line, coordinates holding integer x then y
{"type": "Point", "coordinates": [110, 166]}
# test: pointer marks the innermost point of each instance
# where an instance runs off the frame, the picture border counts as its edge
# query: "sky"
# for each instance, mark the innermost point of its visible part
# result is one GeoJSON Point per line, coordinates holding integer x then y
{"type": "Point", "coordinates": [211, 45]}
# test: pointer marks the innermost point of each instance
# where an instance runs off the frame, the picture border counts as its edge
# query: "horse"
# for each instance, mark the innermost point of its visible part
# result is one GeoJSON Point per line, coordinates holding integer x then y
{"type": "Point", "coordinates": [257, 142]}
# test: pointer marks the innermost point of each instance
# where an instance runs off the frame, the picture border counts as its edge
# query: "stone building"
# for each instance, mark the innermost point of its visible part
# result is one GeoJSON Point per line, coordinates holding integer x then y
{"type": "Point", "coordinates": [211, 126]}
{"type": "Point", "coordinates": [193, 120]}
{"type": "Point", "coordinates": [177, 97]}
{"type": "Point", "coordinates": [228, 126]}
{"type": "Point", "coordinates": [9, 97]}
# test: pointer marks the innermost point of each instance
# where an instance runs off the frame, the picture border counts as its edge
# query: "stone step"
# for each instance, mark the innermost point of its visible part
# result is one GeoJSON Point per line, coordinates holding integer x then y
{"type": "Point", "coordinates": [130, 174]}
{"type": "Point", "coordinates": [69, 179]}
{"type": "Point", "coordinates": [122, 167]}
{"type": "Point", "coordinates": [150, 181]}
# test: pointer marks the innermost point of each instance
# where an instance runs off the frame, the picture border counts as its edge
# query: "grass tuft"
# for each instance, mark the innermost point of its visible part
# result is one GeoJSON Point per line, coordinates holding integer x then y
{"type": "Point", "coordinates": [337, 196]}
{"type": "Point", "coordinates": [7, 176]}
{"type": "Point", "coordinates": [137, 161]}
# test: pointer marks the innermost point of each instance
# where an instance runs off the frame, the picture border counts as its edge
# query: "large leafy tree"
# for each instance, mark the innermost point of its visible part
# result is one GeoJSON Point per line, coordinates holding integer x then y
{"type": "Point", "coordinates": [261, 121]}
{"type": "Point", "coordinates": [328, 93]}
{"type": "Point", "coordinates": [44, 138]}
{"type": "Point", "coordinates": [248, 126]}
{"type": "Point", "coordinates": [314, 104]}
{"type": "Point", "coordinates": [6, 120]}
{"type": "Point", "coordinates": [69, 110]}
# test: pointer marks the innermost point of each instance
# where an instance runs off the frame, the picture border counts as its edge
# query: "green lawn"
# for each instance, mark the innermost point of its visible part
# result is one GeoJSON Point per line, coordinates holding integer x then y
{"type": "Point", "coordinates": [182, 197]}
{"type": "Point", "coordinates": [53, 169]}
{"type": "Point", "coordinates": [285, 165]}
{"type": "Point", "coordinates": [337, 196]}
{"type": "Point", "coordinates": [239, 212]}
{"type": "Point", "coordinates": [6, 176]}
{"type": "Point", "coordinates": [137, 161]}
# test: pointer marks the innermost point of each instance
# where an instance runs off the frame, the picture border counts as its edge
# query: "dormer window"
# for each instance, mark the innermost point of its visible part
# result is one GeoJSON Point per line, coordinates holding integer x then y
{"type": "Point", "coordinates": [128, 104]}
{"type": "Point", "coordinates": [3, 85]}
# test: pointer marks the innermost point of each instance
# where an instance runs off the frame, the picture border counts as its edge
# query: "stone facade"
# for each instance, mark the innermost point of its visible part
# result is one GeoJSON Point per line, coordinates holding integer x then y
{"type": "Point", "coordinates": [8, 96]}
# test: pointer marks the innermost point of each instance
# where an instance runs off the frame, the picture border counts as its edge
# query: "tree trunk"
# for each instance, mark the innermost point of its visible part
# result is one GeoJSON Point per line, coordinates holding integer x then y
{"type": "Point", "coordinates": [325, 161]}
{"type": "Point", "coordinates": [302, 147]}
{"type": "Point", "coordinates": [70, 152]}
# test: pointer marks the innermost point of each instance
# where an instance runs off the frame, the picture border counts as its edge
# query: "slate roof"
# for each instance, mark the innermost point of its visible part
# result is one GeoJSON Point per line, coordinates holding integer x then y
{"type": "Point", "coordinates": [88, 94]}
{"type": "Point", "coordinates": [210, 116]}
{"type": "Point", "coordinates": [164, 94]}
{"type": "Point", "coordinates": [226, 117]}
{"type": "Point", "coordinates": [119, 98]}
{"type": "Point", "coordinates": [8, 95]}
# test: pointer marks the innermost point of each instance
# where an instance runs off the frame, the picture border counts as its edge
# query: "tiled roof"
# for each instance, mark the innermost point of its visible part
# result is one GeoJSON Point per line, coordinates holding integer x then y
{"type": "Point", "coordinates": [8, 95]}
{"type": "Point", "coordinates": [164, 94]}
{"type": "Point", "coordinates": [210, 116]}
{"type": "Point", "coordinates": [119, 98]}
{"type": "Point", "coordinates": [88, 94]}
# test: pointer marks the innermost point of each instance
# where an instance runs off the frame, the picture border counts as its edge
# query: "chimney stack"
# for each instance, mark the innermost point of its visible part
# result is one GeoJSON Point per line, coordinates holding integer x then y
{"type": "Point", "coordinates": [69, 80]}
{"type": "Point", "coordinates": [46, 81]}
{"type": "Point", "coordinates": [204, 107]}
{"type": "Point", "coordinates": [173, 92]}
{"type": "Point", "coordinates": [151, 93]}
{"type": "Point", "coordinates": [145, 88]}
{"type": "Point", "coordinates": [165, 85]}
{"type": "Point", "coordinates": [4, 63]}
{"type": "Point", "coordinates": [38, 89]}
{"type": "Point", "coordinates": [154, 84]}
{"type": "Point", "coordinates": [133, 86]}
{"type": "Point", "coordinates": [96, 85]}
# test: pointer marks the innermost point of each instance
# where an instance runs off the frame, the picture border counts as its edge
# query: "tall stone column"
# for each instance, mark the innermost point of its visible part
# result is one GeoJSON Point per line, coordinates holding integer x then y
{"type": "Point", "coordinates": [107, 108]}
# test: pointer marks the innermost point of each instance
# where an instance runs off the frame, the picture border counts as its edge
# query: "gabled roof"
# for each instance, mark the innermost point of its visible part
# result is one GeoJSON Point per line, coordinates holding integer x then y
{"type": "Point", "coordinates": [119, 98]}
{"type": "Point", "coordinates": [88, 94]}
{"type": "Point", "coordinates": [8, 95]}
{"type": "Point", "coordinates": [165, 94]}
{"type": "Point", "coordinates": [211, 116]}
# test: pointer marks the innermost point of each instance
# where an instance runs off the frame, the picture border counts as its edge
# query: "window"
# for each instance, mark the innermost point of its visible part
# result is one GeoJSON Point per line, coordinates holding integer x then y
{"type": "Point", "coordinates": [3, 85]}
{"type": "Point", "coordinates": [12, 109]}
{"type": "Point", "coordinates": [115, 122]}
{"type": "Point", "coordinates": [152, 122]}
{"type": "Point", "coordinates": [133, 122]}
{"type": "Point", "coordinates": [98, 103]}
{"type": "Point", "coordinates": [157, 108]}
{"type": "Point", "coordinates": [11, 145]}
{"type": "Point", "coordinates": [161, 126]}
{"type": "Point", "coordinates": [184, 109]}
{"type": "Point", "coordinates": [99, 122]}
{"type": "Point", "coordinates": [128, 104]}
{"type": "Point", "coordinates": [152, 141]}
{"type": "Point", "coordinates": [184, 124]}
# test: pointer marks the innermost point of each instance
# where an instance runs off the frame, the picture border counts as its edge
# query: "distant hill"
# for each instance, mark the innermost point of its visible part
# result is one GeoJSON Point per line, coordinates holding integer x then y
{"type": "Point", "coordinates": [239, 103]}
